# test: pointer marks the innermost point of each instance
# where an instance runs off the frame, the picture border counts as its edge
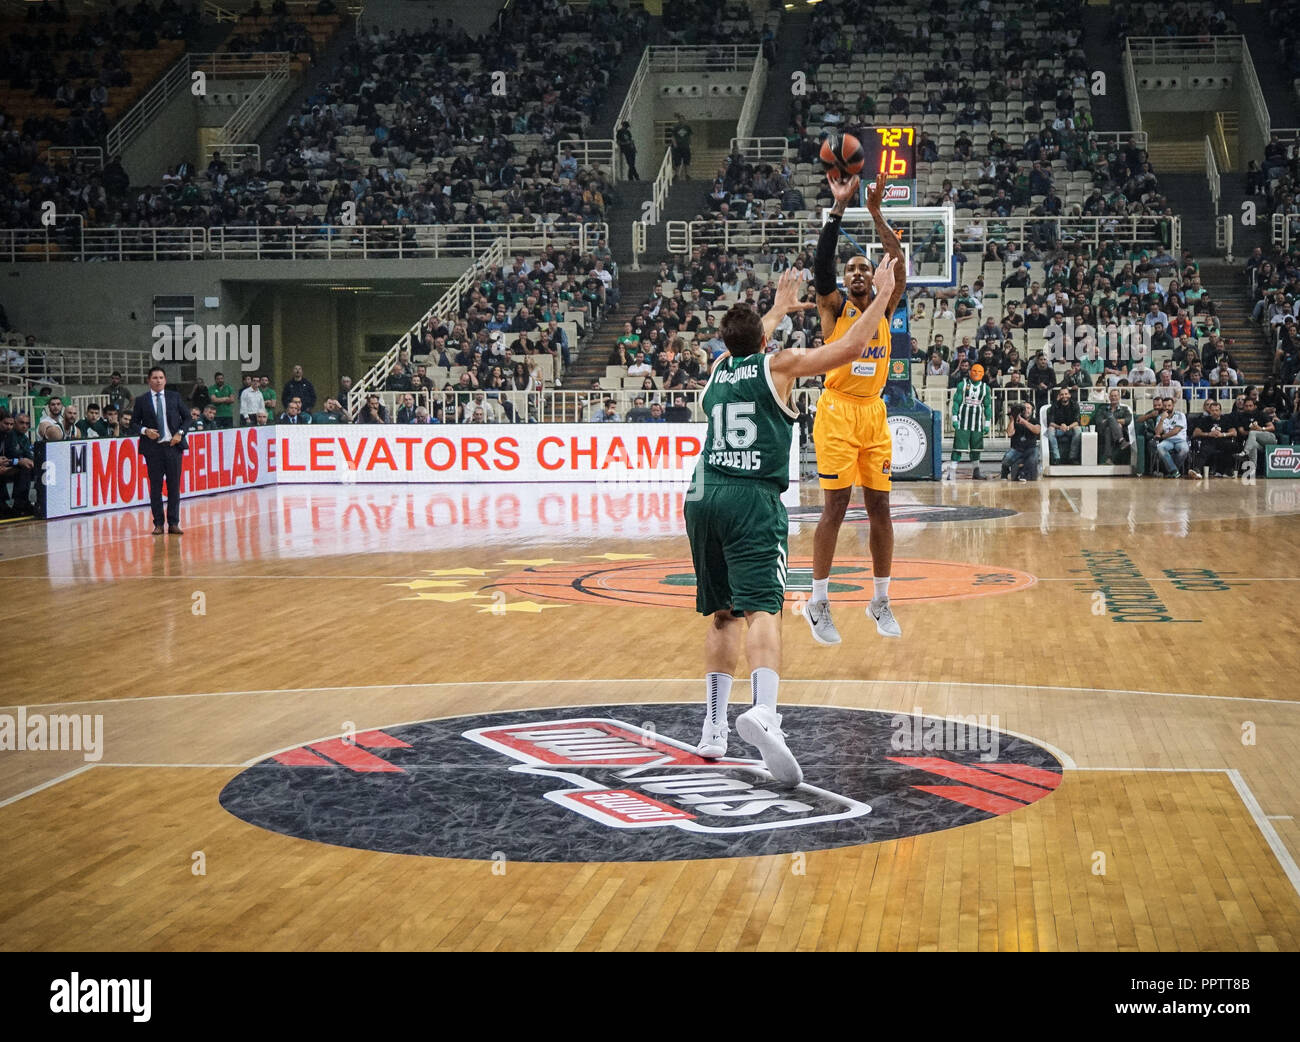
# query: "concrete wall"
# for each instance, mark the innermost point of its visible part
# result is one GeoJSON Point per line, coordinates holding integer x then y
{"type": "Point", "coordinates": [701, 107]}
{"type": "Point", "coordinates": [111, 304]}
{"type": "Point", "coordinates": [1252, 130]}
{"type": "Point", "coordinates": [649, 152]}
{"type": "Point", "coordinates": [169, 138]}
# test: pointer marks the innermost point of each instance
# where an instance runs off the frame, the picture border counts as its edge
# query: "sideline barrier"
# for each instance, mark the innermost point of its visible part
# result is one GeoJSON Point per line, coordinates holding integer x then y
{"type": "Point", "coordinates": [1282, 461]}
{"type": "Point", "coordinates": [81, 477]}
{"type": "Point", "coordinates": [109, 474]}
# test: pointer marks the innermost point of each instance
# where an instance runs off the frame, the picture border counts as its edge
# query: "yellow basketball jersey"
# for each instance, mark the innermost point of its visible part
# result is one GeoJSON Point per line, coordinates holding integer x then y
{"type": "Point", "coordinates": [864, 376]}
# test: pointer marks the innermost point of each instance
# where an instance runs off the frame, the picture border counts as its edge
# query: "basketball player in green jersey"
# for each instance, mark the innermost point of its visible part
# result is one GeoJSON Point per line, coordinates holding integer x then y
{"type": "Point", "coordinates": [735, 519]}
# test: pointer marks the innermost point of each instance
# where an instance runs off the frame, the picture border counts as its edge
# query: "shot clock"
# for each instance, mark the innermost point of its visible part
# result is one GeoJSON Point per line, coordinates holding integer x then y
{"type": "Point", "coordinates": [891, 151]}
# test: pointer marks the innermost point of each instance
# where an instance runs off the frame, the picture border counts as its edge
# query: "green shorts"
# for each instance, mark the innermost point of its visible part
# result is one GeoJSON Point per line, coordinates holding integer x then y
{"type": "Point", "coordinates": [967, 441]}
{"type": "Point", "coordinates": [739, 534]}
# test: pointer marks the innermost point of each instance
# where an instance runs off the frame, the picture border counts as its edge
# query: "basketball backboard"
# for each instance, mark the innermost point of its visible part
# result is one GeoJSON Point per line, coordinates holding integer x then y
{"type": "Point", "coordinates": [925, 231]}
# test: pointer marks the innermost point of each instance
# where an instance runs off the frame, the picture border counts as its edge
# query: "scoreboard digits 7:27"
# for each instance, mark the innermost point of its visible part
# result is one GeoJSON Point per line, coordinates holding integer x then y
{"type": "Point", "coordinates": [890, 151]}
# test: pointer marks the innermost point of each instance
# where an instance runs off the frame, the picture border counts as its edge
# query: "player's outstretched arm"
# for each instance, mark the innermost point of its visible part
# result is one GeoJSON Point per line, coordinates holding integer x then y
{"type": "Point", "coordinates": [829, 298]}
{"type": "Point", "coordinates": [786, 300]}
{"type": "Point", "coordinates": [791, 365]}
{"type": "Point", "coordinates": [889, 240]}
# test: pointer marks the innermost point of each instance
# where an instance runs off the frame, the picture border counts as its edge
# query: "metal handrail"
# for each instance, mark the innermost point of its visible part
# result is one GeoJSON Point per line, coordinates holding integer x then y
{"type": "Point", "coordinates": [1253, 88]}
{"type": "Point", "coordinates": [1151, 50]}
{"type": "Point", "coordinates": [446, 309]}
{"type": "Point", "coordinates": [1284, 229]}
{"type": "Point", "coordinates": [787, 235]}
{"type": "Point", "coordinates": [589, 152]}
{"type": "Point", "coordinates": [77, 154]}
{"type": "Point", "coordinates": [704, 58]}
{"type": "Point", "coordinates": [178, 78]}
{"type": "Point", "coordinates": [322, 242]}
{"type": "Point", "coordinates": [633, 93]}
{"type": "Point", "coordinates": [1212, 174]}
{"type": "Point", "coordinates": [1119, 137]}
{"type": "Point", "coordinates": [137, 117]}
{"type": "Point", "coordinates": [753, 98]}
{"type": "Point", "coordinates": [1130, 89]}
{"type": "Point", "coordinates": [236, 152]}
{"type": "Point", "coordinates": [761, 149]}
{"type": "Point", "coordinates": [242, 123]}
{"type": "Point", "coordinates": [70, 366]}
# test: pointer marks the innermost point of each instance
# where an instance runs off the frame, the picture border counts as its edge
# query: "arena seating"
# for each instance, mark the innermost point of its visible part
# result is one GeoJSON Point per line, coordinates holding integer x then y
{"type": "Point", "coordinates": [1005, 87]}
{"type": "Point", "coordinates": [302, 35]}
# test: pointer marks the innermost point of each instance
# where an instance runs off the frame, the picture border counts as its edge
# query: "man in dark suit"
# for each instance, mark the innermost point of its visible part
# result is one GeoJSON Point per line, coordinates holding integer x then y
{"type": "Point", "coordinates": [161, 421]}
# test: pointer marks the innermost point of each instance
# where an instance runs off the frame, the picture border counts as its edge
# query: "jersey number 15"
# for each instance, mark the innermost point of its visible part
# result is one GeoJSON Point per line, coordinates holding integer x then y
{"type": "Point", "coordinates": [739, 430]}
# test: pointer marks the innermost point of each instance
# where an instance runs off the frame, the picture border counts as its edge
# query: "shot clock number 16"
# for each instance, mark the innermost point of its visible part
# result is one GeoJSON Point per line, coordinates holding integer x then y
{"type": "Point", "coordinates": [892, 151]}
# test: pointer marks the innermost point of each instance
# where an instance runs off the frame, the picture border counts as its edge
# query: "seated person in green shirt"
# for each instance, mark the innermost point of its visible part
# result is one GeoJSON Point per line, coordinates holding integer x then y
{"type": "Point", "coordinates": [625, 347]}
{"type": "Point", "coordinates": [93, 426]}
{"type": "Point", "coordinates": [332, 413]}
{"type": "Point", "coordinates": [207, 420]}
{"type": "Point", "coordinates": [1093, 365]}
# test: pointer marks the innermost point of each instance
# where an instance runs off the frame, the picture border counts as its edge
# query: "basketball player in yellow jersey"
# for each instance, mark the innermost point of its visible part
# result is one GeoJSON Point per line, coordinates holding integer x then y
{"type": "Point", "coordinates": [850, 432]}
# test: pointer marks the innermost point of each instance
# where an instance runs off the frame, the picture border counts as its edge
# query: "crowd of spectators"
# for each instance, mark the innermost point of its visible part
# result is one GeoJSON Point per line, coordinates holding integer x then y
{"type": "Point", "coordinates": [694, 22]}
{"type": "Point", "coordinates": [1276, 177]}
{"type": "Point", "coordinates": [1005, 113]}
{"type": "Point", "coordinates": [1274, 281]}
{"type": "Point", "coordinates": [74, 66]}
{"type": "Point", "coordinates": [428, 99]}
{"type": "Point", "coordinates": [1201, 20]}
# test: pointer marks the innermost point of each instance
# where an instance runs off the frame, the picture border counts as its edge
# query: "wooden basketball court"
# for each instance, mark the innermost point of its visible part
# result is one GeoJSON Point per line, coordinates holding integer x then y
{"type": "Point", "coordinates": [278, 770]}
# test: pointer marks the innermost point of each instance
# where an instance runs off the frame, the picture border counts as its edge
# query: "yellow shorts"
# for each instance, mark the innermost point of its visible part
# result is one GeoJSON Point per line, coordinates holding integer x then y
{"type": "Point", "coordinates": [854, 446]}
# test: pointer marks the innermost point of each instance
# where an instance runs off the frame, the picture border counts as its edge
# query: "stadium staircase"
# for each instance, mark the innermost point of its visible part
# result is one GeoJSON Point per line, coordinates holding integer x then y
{"type": "Point", "coordinates": [1181, 169]}
{"type": "Point", "coordinates": [321, 70]}
{"type": "Point", "coordinates": [1246, 342]}
{"type": "Point", "coordinates": [774, 114]}
{"type": "Point", "coordinates": [634, 287]}
{"type": "Point", "coordinates": [1279, 93]}
{"type": "Point", "coordinates": [1109, 110]}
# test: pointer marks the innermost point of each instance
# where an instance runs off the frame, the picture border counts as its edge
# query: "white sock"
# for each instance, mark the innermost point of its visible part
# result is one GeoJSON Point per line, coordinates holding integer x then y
{"type": "Point", "coordinates": [764, 682]}
{"type": "Point", "coordinates": [882, 588]}
{"type": "Point", "coordinates": [718, 690]}
{"type": "Point", "coordinates": [819, 589]}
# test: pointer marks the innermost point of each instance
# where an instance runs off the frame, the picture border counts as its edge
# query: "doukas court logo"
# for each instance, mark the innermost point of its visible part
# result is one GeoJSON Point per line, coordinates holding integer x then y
{"type": "Point", "coordinates": [190, 342]}
{"type": "Point", "coordinates": [607, 783]}
{"type": "Point", "coordinates": [628, 777]}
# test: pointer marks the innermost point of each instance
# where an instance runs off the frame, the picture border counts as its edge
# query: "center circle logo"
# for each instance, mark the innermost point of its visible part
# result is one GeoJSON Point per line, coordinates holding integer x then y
{"type": "Point", "coordinates": [622, 783]}
{"type": "Point", "coordinates": [671, 583]}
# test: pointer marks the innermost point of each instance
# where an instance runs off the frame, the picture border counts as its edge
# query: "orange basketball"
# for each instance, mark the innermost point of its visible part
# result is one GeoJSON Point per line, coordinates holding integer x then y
{"type": "Point", "coordinates": [977, 372]}
{"type": "Point", "coordinates": [843, 153]}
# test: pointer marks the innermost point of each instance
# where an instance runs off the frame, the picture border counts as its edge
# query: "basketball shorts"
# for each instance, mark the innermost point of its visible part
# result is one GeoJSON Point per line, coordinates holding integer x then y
{"type": "Point", "coordinates": [854, 446]}
{"type": "Point", "coordinates": [739, 535]}
{"type": "Point", "coordinates": [967, 441]}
